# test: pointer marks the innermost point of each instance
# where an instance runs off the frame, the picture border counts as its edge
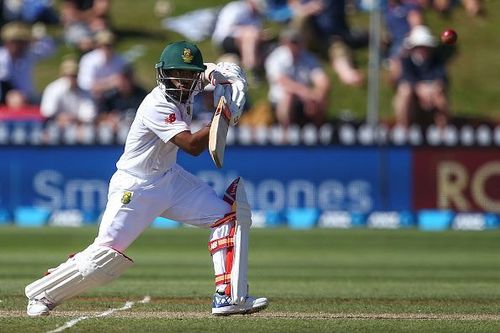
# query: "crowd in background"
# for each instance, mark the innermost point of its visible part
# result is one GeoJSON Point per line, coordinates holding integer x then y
{"type": "Point", "coordinates": [96, 93]}
{"type": "Point", "coordinates": [318, 32]}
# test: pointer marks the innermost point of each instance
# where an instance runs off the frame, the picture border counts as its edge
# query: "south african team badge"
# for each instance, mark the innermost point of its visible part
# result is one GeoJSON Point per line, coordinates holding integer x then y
{"type": "Point", "coordinates": [127, 196]}
{"type": "Point", "coordinates": [187, 56]}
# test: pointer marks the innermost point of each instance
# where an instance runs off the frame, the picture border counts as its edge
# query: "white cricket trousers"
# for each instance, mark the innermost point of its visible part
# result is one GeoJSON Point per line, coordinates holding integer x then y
{"type": "Point", "coordinates": [176, 195]}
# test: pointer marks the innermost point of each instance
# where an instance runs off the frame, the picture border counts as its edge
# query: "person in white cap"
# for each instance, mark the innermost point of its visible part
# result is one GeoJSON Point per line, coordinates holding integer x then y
{"type": "Point", "coordinates": [424, 80]}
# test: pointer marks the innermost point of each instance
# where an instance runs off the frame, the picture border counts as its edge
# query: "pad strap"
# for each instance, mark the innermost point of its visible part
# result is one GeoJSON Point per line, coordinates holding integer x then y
{"type": "Point", "coordinates": [224, 278]}
{"type": "Point", "coordinates": [228, 218]}
{"type": "Point", "coordinates": [220, 243]}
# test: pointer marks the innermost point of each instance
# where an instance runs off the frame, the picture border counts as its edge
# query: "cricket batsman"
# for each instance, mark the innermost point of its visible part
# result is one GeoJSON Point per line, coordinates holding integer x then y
{"type": "Point", "coordinates": [149, 183]}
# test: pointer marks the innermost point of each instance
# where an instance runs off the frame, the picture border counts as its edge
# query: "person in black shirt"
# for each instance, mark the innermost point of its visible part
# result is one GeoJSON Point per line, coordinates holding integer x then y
{"type": "Point", "coordinates": [423, 82]}
{"type": "Point", "coordinates": [120, 103]}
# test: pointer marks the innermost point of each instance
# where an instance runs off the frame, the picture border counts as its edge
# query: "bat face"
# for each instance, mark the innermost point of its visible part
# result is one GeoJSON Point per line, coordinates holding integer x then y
{"type": "Point", "coordinates": [218, 132]}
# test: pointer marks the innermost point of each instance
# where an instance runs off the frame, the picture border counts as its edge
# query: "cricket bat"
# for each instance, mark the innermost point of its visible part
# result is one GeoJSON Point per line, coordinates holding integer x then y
{"type": "Point", "coordinates": [218, 132]}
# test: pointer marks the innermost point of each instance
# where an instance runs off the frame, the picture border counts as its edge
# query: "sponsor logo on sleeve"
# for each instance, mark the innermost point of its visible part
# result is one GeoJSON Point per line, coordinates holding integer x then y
{"type": "Point", "coordinates": [170, 118]}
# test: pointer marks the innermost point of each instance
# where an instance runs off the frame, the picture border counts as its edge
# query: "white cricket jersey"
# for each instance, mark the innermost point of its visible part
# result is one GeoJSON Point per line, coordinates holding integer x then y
{"type": "Point", "coordinates": [148, 150]}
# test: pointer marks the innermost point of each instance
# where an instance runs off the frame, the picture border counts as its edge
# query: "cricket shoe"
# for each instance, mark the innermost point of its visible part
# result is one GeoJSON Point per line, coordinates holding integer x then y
{"type": "Point", "coordinates": [38, 308]}
{"type": "Point", "coordinates": [222, 305]}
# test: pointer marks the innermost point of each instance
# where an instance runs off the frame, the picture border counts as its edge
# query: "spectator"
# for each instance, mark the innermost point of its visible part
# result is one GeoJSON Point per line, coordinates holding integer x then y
{"type": "Point", "coordinates": [5, 87]}
{"type": "Point", "coordinates": [100, 17]}
{"type": "Point", "coordinates": [441, 6]}
{"type": "Point", "coordinates": [79, 36]}
{"type": "Point", "coordinates": [82, 19]}
{"type": "Point", "coordinates": [64, 101]}
{"type": "Point", "coordinates": [298, 84]}
{"type": "Point", "coordinates": [19, 55]}
{"type": "Point", "coordinates": [18, 109]}
{"type": "Point", "coordinates": [400, 17]}
{"type": "Point", "coordinates": [424, 82]}
{"type": "Point", "coordinates": [472, 7]}
{"type": "Point", "coordinates": [94, 13]}
{"type": "Point", "coordinates": [120, 103]}
{"type": "Point", "coordinates": [328, 32]}
{"type": "Point", "coordinates": [74, 11]}
{"type": "Point", "coordinates": [16, 100]}
{"type": "Point", "coordinates": [29, 11]}
{"type": "Point", "coordinates": [99, 68]}
{"type": "Point", "coordinates": [239, 30]}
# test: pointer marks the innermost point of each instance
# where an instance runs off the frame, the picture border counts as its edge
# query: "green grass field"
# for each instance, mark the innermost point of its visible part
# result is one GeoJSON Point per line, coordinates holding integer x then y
{"type": "Point", "coordinates": [317, 281]}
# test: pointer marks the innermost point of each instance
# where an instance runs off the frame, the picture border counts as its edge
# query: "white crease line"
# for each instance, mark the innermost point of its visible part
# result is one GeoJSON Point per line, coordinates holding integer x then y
{"type": "Point", "coordinates": [73, 322]}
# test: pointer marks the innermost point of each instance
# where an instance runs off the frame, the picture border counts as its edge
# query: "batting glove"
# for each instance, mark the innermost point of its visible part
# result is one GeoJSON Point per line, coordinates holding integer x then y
{"type": "Point", "coordinates": [230, 81]}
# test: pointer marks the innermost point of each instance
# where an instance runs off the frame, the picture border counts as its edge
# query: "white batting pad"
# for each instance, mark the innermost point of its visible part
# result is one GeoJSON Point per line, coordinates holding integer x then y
{"type": "Point", "coordinates": [94, 266]}
{"type": "Point", "coordinates": [239, 284]}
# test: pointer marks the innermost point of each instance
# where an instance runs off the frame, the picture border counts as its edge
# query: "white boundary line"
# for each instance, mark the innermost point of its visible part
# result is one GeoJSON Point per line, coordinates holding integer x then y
{"type": "Point", "coordinates": [73, 322]}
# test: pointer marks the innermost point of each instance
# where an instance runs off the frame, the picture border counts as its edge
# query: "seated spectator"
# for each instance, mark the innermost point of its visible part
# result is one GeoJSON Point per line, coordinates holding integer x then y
{"type": "Point", "coordinates": [239, 30]}
{"type": "Point", "coordinates": [18, 57]}
{"type": "Point", "coordinates": [82, 19]}
{"type": "Point", "coordinates": [329, 33]}
{"type": "Point", "coordinates": [100, 67]}
{"type": "Point", "coordinates": [441, 6]}
{"type": "Point", "coordinates": [120, 103]}
{"type": "Point", "coordinates": [302, 10]}
{"type": "Point", "coordinates": [64, 101]}
{"type": "Point", "coordinates": [472, 7]}
{"type": "Point", "coordinates": [298, 85]}
{"type": "Point", "coordinates": [100, 18]}
{"type": "Point", "coordinates": [424, 80]}
{"type": "Point", "coordinates": [400, 17]}
{"type": "Point", "coordinates": [79, 36]}
{"type": "Point", "coordinates": [16, 108]}
{"type": "Point", "coordinates": [29, 11]}
{"type": "Point", "coordinates": [5, 87]}
{"type": "Point", "coordinates": [15, 100]}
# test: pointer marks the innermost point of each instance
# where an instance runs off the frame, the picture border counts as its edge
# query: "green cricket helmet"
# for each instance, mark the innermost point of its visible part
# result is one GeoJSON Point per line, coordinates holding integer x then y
{"type": "Point", "coordinates": [179, 70]}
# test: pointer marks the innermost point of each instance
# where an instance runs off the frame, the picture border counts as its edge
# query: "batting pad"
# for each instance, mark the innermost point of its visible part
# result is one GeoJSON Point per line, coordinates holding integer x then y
{"type": "Point", "coordinates": [239, 284]}
{"type": "Point", "coordinates": [94, 266]}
